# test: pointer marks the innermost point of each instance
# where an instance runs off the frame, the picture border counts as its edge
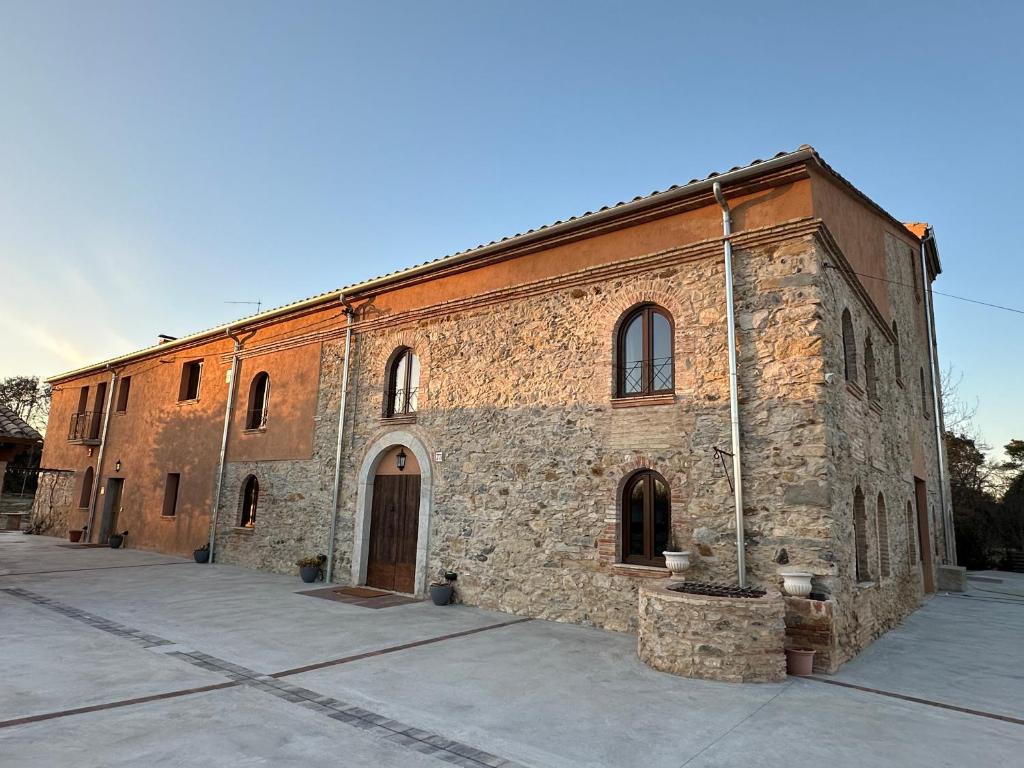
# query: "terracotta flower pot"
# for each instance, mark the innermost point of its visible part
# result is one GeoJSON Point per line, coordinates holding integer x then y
{"type": "Point", "coordinates": [799, 662]}
{"type": "Point", "coordinates": [75, 536]}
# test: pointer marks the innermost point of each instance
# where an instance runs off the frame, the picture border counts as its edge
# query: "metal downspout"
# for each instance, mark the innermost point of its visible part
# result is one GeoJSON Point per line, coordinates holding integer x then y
{"type": "Point", "coordinates": [336, 493]}
{"type": "Point", "coordinates": [929, 320]}
{"type": "Point", "coordinates": [98, 475]}
{"type": "Point", "coordinates": [228, 407]}
{"type": "Point", "coordinates": [734, 400]}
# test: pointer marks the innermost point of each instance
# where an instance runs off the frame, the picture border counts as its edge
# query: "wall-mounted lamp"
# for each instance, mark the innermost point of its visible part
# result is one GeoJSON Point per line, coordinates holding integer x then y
{"type": "Point", "coordinates": [400, 459]}
{"type": "Point", "coordinates": [117, 465]}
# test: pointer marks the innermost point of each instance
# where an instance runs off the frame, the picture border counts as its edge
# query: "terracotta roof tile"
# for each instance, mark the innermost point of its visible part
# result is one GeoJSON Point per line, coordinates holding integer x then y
{"type": "Point", "coordinates": [12, 426]}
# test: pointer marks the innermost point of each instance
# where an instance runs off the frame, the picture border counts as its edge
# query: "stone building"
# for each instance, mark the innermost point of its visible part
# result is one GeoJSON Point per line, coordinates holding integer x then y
{"type": "Point", "coordinates": [544, 415]}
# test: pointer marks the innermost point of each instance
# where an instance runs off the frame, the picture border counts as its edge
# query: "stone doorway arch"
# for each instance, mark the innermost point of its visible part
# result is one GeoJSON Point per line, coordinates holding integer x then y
{"type": "Point", "coordinates": [368, 472]}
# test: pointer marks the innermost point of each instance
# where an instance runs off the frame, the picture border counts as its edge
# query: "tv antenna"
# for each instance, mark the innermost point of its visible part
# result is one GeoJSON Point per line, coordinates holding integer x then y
{"type": "Point", "coordinates": [258, 304]}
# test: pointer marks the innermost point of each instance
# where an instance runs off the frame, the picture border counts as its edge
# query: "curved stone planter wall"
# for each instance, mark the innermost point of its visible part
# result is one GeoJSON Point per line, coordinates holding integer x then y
{"type": "Point", "coordinates": [717, 638]}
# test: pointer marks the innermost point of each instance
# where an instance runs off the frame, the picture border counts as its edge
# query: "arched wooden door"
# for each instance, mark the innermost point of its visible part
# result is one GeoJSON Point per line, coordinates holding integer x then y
{"type": "Point", "coordinates": [394, 524]}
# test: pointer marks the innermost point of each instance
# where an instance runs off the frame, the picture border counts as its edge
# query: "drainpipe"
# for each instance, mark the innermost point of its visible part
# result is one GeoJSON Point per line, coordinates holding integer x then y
{"type": "Point", "coordinates": [98, 475]}
{"type": "Point", "coordinates": [734, 399]}
{"type": "Point", "coordinates": [228, 407]}
{"type": "Point", "coordinates": [336, 493]}
{"type": "Point", "coordinates": [929, 321]}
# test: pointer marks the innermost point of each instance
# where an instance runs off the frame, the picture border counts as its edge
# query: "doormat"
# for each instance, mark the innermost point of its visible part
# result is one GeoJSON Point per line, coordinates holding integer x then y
{"type": "Point", "coordinates": [83, 546]}
{"type": "Point", "coordinates": [364, 597]}
{"type": "Point", "coordinates": [363, 592]}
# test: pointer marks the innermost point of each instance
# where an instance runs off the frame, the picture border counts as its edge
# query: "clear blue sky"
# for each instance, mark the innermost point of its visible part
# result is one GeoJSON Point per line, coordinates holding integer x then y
{"type": "Point", "coordinates": [157, 160]}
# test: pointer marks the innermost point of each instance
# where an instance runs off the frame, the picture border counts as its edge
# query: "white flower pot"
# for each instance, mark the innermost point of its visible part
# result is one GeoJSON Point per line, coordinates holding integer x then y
{"type": "Point", "coordinates": [797, 584]}
{"type": "Point", "coordinates": [677, 562]}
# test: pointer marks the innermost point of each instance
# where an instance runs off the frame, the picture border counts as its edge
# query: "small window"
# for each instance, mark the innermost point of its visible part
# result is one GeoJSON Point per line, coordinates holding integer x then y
{"type": "Point", "coordinates": [849, 347]}
{"type": "Point", "coordinates": [85, 494]}
{"type": "Point", "coordinates": [644, 353]}
{"type": "Point", "coordinates": [924, 395]}
{"type": "Point", "coordinates": [860, 533]}
{"type": "Point", "coordinates": [646, 519]}
{"type": "Point", "coordinates": [122, 394]}
{"type": "Point", "coordinates": [897, 355]}
{"type": "Point", "coordinates": [402, 395]}
{"type": "Point", "coordinates": [250, 500]}
{"type": "Point", "coordinates": [171, 494]}
{"type": "Point", "coordinates": [883, 537]}
{"type": "Point", "coordinates": [870, 373]}
{"type": "Point", "coordinates": [259, 399]}
{"type": "Point", "coordinates": [191, 373]}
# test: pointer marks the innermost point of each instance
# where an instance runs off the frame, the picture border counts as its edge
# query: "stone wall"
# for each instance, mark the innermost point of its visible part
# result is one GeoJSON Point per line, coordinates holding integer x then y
{"type": "Point", "coordinates": [717, 638]}
{"type": "Point", "coordinates": [293, 513]}
{"type": "Point", "coordinates": [878, 445]}
{"type": "Point", "coordinates": [53, 511]}
{"type": "Point", "coordinates": [516, 396]}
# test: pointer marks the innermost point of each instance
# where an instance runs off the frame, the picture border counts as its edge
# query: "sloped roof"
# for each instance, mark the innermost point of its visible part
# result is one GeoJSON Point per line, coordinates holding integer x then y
{"type": "Point", "coordinates": [805, 152]}
{"type": "Point", "coordinates": [13, 427]}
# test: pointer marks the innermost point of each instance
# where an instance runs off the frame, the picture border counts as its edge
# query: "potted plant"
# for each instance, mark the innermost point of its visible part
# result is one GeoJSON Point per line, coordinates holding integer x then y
{"type": "Point", "coordinates": [311, 568]}
{"type": "Point", "coordinates": [799, 662]}
{"type": "Point", "coordinates": [676, 560]}
{"type": "Point", "coordinates": [441, 592]}
{"type": "Point", "coordinates": [797, 583]}
{"type": "Point", "coordinates": [117, 539]}
{"type": "Point", "coordinates": [202, 555]}
{"type": "Point", "coordinates": [75, 536]}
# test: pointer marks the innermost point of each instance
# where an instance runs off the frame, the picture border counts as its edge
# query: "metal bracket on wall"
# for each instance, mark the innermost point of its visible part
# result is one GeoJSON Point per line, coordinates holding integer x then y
{"type": "Point", "coordinates": [721, 454]}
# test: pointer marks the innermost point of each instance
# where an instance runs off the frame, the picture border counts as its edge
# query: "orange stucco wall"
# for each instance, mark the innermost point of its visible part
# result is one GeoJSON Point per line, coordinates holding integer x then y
{"type": "Point", "coordinates": [860, 232]}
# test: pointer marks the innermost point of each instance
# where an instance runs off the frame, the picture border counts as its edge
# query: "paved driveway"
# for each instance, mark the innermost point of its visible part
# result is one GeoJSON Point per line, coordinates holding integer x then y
{"type": "Point", "coordinates": [124, 658]}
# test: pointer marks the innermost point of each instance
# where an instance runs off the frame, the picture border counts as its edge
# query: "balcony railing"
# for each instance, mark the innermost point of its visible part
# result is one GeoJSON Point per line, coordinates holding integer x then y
{"type": "Point", "coordinates": [646, 376]}
{"type": "Point", "coordinates": [85, 427]}
{"type": "Point", "coordinates": [400, 402]}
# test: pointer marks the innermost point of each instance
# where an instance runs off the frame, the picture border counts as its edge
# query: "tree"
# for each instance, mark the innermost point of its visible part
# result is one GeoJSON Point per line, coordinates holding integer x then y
{"type": "Point", "coordinates": [27, 397]}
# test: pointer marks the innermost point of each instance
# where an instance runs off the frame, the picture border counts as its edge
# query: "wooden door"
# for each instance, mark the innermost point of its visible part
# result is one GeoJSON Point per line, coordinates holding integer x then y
{"type": "Point", "coordinates": [394, 524]}
{"type": "Point", "coordinates": [924, 534]}
{"type": "Point", "coordinates": [111, 507]}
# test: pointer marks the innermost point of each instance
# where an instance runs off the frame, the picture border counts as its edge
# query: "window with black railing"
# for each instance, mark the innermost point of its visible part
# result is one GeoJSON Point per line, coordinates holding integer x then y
{"type": "Point", "coordinates": [645, 360]}
{"type": "Point", "coordinates": [85, 426]}
{"type": "Point", "coordinates": [402, 393]}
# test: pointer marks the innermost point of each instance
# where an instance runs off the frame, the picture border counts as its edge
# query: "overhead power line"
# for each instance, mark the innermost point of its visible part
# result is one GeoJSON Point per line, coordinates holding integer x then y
{"type": "Point", "coordinates": [938, 293]}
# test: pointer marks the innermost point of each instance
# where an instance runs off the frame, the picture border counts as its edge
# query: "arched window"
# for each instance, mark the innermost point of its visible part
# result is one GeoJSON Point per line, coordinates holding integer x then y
{"type": "Point", "coordinates": [883, 537]}
{"type": "Point", "coordinates": [849, 347]}
{"type": "Point", "coordinates": [250, 501]}
{"type": "Point", "coordinates": [259, 400]}
{"type": "Point", "coordinates": [860, 534]}
{"type": "Point", "coordinates": [86, 493]}
{"type": "Point", "coordinates": [403, 383]}
{"type": "Point", "coordinates": [911, 535]}
{"type": "Point", "coordinates": [870, 374]}
{"type": "Point", "coordinates": [646, 519]}
{"type": "Point", "coordinates": [896, 354]}
{"type": "Point", "coordinates": [644, 353]}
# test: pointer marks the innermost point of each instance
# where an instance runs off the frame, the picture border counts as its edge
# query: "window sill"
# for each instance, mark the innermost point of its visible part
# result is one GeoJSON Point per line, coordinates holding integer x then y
{"type": "Point", "coordinates": [168, 517]}
{"type": "Point", "coordinates": [876, 407]}
{"type": "Point", "coordinates": [900, 383]}
{"type": "Point", "coordinates": [862, 585]}
{"type": "Point", "coordinates": [405, 418]}
{"type": "Point", "coordinates": [640, 571]}
{"type": "Point", "coordinates": [636, 401]}
{"type": "Point", "coordinates": [254, 430]}
{"type": "Point", "coordinates": [193, 401]}
{"type": "Point", "coordinates": [242, 529]}
{"type": "Point", "coordinates": [854, 389]}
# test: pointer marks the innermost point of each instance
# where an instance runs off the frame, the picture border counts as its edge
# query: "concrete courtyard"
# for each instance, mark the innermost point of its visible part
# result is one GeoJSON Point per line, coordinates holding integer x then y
{"type": "Point", "coordinates": [127, 658]}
